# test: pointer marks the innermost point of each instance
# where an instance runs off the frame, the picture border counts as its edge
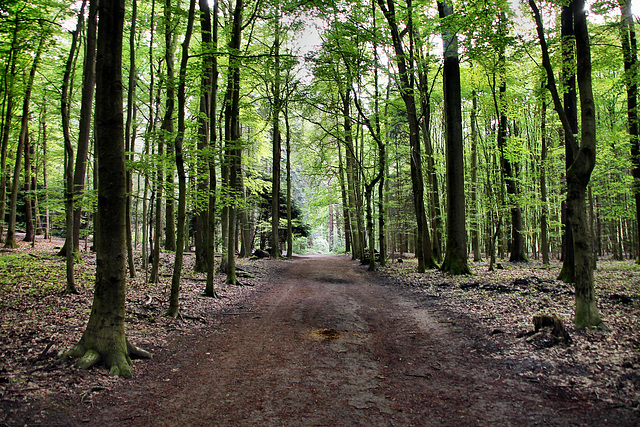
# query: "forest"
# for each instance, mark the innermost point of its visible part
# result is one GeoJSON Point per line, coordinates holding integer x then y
{"type": "Point", "coordinates": [455, 133]}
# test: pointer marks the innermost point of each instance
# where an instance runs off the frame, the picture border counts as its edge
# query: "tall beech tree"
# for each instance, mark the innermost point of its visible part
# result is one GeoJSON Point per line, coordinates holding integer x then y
{"type": "Point", "coordinates": [10, 74]}
{"type": "Point", "coordinates": [104, 338]}
{"type": "Point", "coordinates": [130, 130]}
{"type": "Point", "coordinates": [579, 173]}
{"type": "Point", "coordinates": [10, 241]}
{"type": "Point", "coordinates": [630, 54]}
{"type": "Point", "coordinates": [455, 259]}
{"type": "Point", "coordinates": [174, 308]}
{"type": "Point", "coordinates": [209, 101]}
{"type": "Point", "coordinates": [167, 127]}
{"type": "Point", "coordinates": [233, 150]}
{"type": "Point", "coordinates": [68, 150]}
{"type": "Point", "coordinates": [404, 62]}
{"type": "Point", "coordinates": [86, 114]}
{"type": "Point", "coordinates": [567, 34]}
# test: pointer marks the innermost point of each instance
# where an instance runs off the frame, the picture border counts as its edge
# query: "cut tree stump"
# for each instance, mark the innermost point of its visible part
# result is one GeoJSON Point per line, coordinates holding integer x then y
{"type": "Point", "coordinates": [554, 324]}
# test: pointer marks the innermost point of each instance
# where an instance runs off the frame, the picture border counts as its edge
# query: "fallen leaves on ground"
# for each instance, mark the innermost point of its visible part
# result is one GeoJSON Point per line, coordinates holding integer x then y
{"type": "Point", "coordinates": [603, 364]}
{"type": "Point", "coordinates": [39, 320]}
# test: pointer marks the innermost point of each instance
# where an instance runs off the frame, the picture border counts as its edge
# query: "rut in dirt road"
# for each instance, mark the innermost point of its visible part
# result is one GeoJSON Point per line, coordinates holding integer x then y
{"type": "Point", "coordinates": [328, 343]}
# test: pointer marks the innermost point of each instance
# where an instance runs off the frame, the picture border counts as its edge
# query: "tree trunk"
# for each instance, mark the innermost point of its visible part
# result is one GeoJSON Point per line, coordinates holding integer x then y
{"type": "Point", "coordinates": [345, 203]}
{"type": "Point", "coordinates": [47, 226]}
{"type": "Point", "coordinates": [567, 274]}
{"type": "Point", "coordinates": [276, 143]}
{"type": "Point", "coordinates": [210, 41]}
{"type": "Point", "coordinates": [174, 307]}
{"type": "Point", "coordinates": [630, 53]}
{"type": "Point", "coordinates": [104, 338]}
{"type": "Point", "coordinates": [233, 151]}
{"type": "Point", "coordinates": [167, 125]}
{"type": "Point", "coordinates": [10, 241]}
{"type": "Point", "coordinates": [578, 175]}
{"type": "Point", "coordinates": [9, 80]}
{"type": "Point", "coordinates": [289, 219]}
{"type": "Point", "coordinates": [544, 244]}
{"type": "Point", "coordinates": [455, 260]}
{"type": "Point", "coordinates": [423, 242]}
{"type": "Point", "coordinates": [86, 109]}
{"type": "Point", "coordinates": [130, 131]}
{"type": "Point", "coordinates": [68, 153]}
{"type": "Point", "coordinates": [28, 205]}
{"type": "Point", "coordinates": [475, 225]}
{"type": "Point", "coordinates": [432, 176]}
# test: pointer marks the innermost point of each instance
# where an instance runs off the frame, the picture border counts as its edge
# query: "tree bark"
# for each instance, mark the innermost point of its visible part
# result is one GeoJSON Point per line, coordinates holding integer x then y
{"type": "Point", "coordinates": [578, 175]}
{"type": "Point", "coordinates": [233, 151]}
{"type": "Point", "coordinates": [174, 307]}
{"type": "Point", "coordinates": [10, 241]}
{"type": "Point", "coordinates": [423, 242]}
{"type": "Point", "coordinates": [276, 143]}
{"type": "Point", "coordinates": [9, 82]}
{"type": "Point", "coordinates": [86, 109]}
{"type": "Point", "coordinates": [567, 274]}
{"type": "Point", "coordinates": [288, 148]}
{"type": "Point", "coordinates": [455, 260]}
{"type": "Point", "coordinates": [630, 54]}
{"type": "Point", "coordinates": [167, 126]}
{"type": "Point", "coordinates": [130, 131]}
{"type": "Point", "coordinates": [212, 42]}
{"type": "Point", "coordinates": [104, 337]}
{"type": "Point", "coordinates": [544, 234]}
{"type": "Point", "coordinates": [68, 153]}
{"type": "Point", "coordinates": [475, 225]}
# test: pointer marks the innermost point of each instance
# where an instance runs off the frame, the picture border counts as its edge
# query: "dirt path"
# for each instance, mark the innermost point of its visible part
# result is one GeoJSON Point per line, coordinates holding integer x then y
{"type": "Point", "coordinates": [328, 343]}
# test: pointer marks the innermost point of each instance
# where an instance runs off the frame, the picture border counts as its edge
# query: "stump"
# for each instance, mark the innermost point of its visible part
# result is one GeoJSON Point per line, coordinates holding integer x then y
{"type": "Point", "coordinates": [554, 324]}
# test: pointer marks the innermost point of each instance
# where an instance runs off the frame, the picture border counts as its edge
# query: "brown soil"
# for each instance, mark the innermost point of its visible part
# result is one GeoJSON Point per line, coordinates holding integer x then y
{"type": "Point", "coordinates": [325, 342]}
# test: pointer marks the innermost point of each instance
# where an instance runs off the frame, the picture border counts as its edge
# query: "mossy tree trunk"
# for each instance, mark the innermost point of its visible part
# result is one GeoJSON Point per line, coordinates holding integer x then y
{"type": "Point", "coordinates": [579, 174]}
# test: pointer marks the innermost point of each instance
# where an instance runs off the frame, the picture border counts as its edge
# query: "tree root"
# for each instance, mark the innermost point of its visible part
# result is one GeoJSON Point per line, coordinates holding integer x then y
{"type": "Point", "coordinates": [213, 295]}
{"type": "Point", "coordinates": [118, 362]}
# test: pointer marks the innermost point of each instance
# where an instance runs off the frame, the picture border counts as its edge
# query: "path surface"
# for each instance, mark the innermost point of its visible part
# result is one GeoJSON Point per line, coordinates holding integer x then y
{"type": "Point", "coordinates": [328, 343]}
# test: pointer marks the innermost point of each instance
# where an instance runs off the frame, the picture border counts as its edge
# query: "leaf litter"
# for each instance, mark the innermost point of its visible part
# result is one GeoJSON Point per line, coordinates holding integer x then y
{"type": "Point", "coordinates": [602, 364]}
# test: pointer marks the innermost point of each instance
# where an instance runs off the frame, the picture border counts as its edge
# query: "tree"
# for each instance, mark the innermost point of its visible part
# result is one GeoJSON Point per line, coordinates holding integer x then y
{"type": "Point", "coordinates": [233, 152]}
{"type": "Point", "coordinates": [8, 92]}
{"type": "Point", "coordinates": [276, 139]}
{"type": "Point", "coordinates": [406, 76]}
{"type": "Point", "coordinates": [104, 338]}
{"type": "Point", "coordinates": [579, 173]}
{"type": "Point", "coordinates": [167, 126]}
{"type": "Point", "coordinates": [130, 129]}
{"type": "Point", "coordinates": [68, 151]}
{"type": "Point", "coordinates": [210, 89]}
{"type": "Point", "coordinates": [10, 241]}
{"type": "Point", "coordinates": [567, 33]}
{"type": "Point", "coordinates": [630, 54]}
{"type": "Point", "coordinates": [182, 178]}
{"type": "Point", "coordinates": [455, 260]}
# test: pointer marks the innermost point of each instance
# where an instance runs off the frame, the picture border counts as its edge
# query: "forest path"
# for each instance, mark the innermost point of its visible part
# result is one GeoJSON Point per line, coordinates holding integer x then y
{"type": "Point", "coordinates": [328, 343]}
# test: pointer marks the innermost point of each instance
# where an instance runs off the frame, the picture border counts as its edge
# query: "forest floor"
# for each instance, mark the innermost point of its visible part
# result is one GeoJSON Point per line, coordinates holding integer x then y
{"type": "Point", "coordinates": [318, 340]}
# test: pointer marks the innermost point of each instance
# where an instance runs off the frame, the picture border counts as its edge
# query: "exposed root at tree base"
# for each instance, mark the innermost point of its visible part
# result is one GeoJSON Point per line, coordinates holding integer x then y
{"type": "Point", "coordinates": [118, 362]}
